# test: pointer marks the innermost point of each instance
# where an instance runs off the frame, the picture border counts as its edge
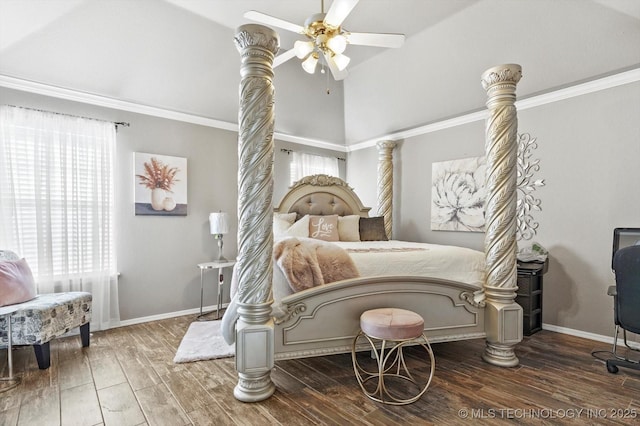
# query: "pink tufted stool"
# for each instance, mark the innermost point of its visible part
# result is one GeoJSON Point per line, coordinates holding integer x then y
{"type": "Point", "coordinates": [399, 327]}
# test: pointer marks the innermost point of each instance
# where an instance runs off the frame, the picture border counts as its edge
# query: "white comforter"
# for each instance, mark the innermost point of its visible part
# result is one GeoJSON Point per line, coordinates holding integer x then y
{"type": "Point", "coordinates": [384, 258]}
{"type": "Point", "coordinates": [379, 258]}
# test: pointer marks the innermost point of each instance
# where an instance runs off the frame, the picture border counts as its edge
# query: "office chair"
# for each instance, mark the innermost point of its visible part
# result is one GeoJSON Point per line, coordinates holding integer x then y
{"type": "Point", "coordinates": [626, 297]}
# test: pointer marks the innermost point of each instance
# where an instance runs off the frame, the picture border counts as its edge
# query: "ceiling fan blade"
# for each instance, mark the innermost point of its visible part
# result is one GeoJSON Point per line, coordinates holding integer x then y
{"type": "Point", "coordinates": [283, 57]}
{"type": "Point", "coordinates": [271, 20]}
{"type": "Point", "coordinates": [337, 74]}
{"type": "Point", "coordinates": [338, 11]}
{"type": "Point", "coordinates": [376, 39]}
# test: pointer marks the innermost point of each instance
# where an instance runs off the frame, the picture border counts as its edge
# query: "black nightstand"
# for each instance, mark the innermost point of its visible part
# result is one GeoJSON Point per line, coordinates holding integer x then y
{"type": "Point", "coordinates": [529, 294]}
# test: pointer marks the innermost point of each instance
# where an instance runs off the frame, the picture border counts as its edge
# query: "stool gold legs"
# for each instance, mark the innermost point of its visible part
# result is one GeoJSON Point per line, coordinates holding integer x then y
{"type": "Point", "coordinates": [390, 363]}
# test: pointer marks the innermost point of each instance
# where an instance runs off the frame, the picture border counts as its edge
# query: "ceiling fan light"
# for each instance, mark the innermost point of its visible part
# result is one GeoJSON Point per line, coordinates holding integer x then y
{"type": "Point", "coordinates": [341, 61]}
{"type": "Point", "coordinates": [337, 43]}
{"type": "Point", "coordinates": [302, 48]}
{"type": "Point", "coordinates": [309, 64]}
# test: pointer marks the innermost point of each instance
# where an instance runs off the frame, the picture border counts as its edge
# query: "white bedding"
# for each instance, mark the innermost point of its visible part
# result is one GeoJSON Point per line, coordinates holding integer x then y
{"type": "Point", "coordinates": [384, 258]}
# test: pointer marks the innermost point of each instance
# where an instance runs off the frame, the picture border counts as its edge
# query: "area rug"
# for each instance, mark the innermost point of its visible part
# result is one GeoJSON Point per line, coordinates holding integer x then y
{"type": "Point", "coordinates": [202, 341]}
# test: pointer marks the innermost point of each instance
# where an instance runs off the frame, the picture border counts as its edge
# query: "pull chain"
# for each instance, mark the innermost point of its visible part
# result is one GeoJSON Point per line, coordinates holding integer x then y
{"type": "Point", "coordinates": [327, 75]}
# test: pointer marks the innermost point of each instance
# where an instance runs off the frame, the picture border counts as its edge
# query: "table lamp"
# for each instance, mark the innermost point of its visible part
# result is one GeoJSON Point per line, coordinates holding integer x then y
{"type": "Point", "coordinates": [219, 225]}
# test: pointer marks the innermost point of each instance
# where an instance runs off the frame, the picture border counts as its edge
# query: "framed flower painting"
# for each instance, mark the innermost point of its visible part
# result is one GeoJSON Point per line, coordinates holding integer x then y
{"type": "Point", "coordinates": [160, 185]}
{"type": "Point", "coordinates": [458, 195]}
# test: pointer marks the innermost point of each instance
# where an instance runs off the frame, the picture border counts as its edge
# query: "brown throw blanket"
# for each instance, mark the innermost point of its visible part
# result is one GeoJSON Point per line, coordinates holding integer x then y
{"type": "Point", "coordinates": [307, 262]}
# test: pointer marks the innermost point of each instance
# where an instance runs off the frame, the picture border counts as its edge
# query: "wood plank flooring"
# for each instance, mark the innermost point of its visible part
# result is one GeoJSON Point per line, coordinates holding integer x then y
{"type": "Point", "coordinates": [127, 377]}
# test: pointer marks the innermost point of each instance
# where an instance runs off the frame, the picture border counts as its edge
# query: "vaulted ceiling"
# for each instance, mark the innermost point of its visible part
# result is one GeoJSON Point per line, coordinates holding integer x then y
{"type": "Point", "coordinates": [179, 55]}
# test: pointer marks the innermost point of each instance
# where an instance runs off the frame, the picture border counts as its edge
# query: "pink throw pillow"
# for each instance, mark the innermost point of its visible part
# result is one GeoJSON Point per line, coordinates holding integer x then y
{"type": "Point", "coordinates": [16, 282]}
{"type": "Point", "coordinates": [324, 227]}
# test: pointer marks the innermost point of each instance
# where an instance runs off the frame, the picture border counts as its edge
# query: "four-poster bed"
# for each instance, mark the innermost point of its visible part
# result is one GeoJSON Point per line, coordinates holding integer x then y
{"type": "Point", "coordinates": [324, 320]}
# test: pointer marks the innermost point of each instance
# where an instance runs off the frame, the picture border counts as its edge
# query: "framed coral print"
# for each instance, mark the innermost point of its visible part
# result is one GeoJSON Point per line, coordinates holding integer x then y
{"type": "Point", "coordinates": [160, 185]}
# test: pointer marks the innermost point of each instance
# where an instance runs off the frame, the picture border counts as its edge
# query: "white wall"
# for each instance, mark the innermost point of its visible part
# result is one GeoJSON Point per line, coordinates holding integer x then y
{"type": "Point", "coordinates": [589, 151]}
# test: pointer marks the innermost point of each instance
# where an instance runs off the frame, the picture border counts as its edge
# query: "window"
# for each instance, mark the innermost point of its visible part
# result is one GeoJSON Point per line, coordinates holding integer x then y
{"type": "Point", "coordinates": [303, 164]}
{"type": "Point", "coordinates": [57, 203]}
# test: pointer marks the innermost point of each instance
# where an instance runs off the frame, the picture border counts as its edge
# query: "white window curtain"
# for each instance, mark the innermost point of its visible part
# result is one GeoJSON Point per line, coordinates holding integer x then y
{"type": "Point", "coordinates": [303, 164]}
{"type": "Point", "coordinates": [57, 203]}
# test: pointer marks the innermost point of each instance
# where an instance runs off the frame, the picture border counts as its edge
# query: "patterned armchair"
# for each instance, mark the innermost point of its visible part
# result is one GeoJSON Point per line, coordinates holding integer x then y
{"type": "Point", "coordinates": [47, 316]}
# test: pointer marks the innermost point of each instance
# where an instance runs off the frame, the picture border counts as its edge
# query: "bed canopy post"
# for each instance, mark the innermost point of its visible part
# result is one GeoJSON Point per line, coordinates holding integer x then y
{"type": "Point", "coordinates": [503, 315]}
{"type": "Point", "coordinates": [257, 45]}
{"type": "Point", "coordinates": [385, 184]}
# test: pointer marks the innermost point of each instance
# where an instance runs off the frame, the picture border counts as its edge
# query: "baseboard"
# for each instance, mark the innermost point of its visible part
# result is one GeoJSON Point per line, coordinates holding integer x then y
{"type": "Point", "coordinates": [587, 335]}
{"type": "Point", "coordinates": [168, 315]}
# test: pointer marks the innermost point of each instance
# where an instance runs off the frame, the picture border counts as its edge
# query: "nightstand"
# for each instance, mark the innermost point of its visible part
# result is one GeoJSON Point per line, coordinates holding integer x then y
{"type": "Point", "coordinates": [529, 294]}
{"type": "Point", "coordinates": [219, 265]}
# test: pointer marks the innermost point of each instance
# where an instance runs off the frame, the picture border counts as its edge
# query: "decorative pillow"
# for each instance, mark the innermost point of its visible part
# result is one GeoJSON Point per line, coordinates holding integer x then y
{"type": "Point", "coordinates": [282, 228]}
{"type": "Point", "coordinates": [349, 228]}
{"type": "Point", "coordinates": [289, 217]}
{"type": "Point", "coordinates": [282, 222]}
{"type": "Point", "coordinates": [16, 282]}
{"type": "Point", "coordinates": [372, 229]}
{"type": "Point", "coordinates": [300, 228]}
{"type": "Point", "coordinates": [324, 227]}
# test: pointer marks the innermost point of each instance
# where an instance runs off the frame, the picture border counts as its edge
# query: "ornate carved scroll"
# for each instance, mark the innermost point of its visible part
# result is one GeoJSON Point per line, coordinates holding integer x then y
{"type": "Point", "coordinates": [291, 312]}
{"type": "Point", "coordinates": [527, 184]}
{"type": "Point", "coordinates": [503, 315]}
{"type": "Point", "coordinates": [385, 184]}
{"type": "Point", "coordinates": [257, 45]}
{"type": "Point", "coordinates": [319, 180]}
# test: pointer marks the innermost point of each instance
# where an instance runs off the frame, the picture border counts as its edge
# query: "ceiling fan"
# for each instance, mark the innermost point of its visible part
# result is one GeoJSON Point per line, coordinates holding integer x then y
{"type": "Point", "coordinates": [326, 40]}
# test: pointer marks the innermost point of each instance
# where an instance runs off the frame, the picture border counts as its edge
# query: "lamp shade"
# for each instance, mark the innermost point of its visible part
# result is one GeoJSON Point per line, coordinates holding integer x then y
{"type": "Point", "coordinates": [337, 43]}
{"type": "Point", "coordinates": [302, 48]}
{"type": "Point", "coordinates": [218, 223]}
{"type": "Point", "coordinates": [341, 61]}
{"type": "Point", "coordinates": [309, 64]}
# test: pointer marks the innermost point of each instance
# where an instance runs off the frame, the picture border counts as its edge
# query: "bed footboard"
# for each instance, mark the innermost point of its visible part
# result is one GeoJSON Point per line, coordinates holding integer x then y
{"type": "Point", "coordinates": [324, 320]}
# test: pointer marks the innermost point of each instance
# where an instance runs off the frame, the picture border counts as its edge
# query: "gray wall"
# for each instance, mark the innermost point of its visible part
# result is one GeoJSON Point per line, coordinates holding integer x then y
{"type": "Point", "coordinates": [589, 151]}
{"type": "Point", "coordinates": [156, 255]}
{"type": "Point", "coordinates": [589, 148]}
{"type": "Point", "coordinates": [299, 95]}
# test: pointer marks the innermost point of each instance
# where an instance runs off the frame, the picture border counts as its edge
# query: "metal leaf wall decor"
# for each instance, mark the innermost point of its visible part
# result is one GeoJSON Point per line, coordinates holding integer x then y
{"type": "Point", "coordinates": [526, 186]}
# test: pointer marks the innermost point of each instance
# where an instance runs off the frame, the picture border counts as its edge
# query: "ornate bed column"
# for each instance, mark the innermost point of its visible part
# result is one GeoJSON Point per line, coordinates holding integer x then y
{"type": "Point", "coordinates": [257, 45]}
{"type": "Point", "coordinates": [503, 315]}
{"type": "Point", "coordinates": [385, 184]}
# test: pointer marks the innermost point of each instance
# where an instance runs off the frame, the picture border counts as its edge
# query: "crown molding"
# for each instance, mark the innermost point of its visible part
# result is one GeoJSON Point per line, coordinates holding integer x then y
{"type": "Point", "coordinates": [107, 102]}
{"type": "Point", "coordinates": [625, 77]}
{"type": "Point", "coordinates": [310, 142]}
{"type": "Point", "coordinates": [596, 85]}
{"type": "Point", "coordinates": [104, 101]}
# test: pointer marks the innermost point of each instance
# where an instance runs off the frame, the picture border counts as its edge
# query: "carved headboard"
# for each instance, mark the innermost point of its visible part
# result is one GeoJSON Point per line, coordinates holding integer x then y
{"type": "Point", "coordinates": [321, 195]}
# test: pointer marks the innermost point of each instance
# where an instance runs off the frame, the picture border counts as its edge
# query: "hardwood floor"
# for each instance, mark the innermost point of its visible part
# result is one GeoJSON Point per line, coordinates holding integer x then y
{"type": "Point", "coordinates": [127, 377]}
